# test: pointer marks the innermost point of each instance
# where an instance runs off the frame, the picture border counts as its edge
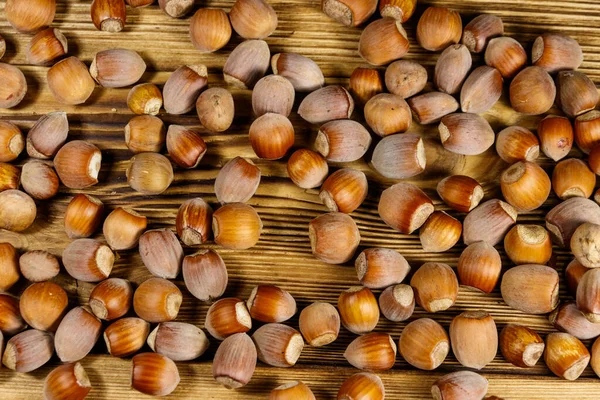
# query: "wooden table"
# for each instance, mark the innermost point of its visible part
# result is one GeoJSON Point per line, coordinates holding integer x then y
{"type": "Point", "coordinates": [282, 256]}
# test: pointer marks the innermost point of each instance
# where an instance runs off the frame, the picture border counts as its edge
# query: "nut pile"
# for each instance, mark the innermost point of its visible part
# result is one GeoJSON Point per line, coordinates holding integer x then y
{"type": "Point", "coordinates": [40, 323]}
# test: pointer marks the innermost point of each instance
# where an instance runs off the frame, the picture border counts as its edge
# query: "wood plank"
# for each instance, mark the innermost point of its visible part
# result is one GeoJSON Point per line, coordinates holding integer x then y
{"type": "Point", "coordinates": [283, 255]}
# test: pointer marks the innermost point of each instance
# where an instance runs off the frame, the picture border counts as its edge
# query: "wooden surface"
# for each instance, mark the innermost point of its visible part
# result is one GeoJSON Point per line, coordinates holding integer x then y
{"type": "Point", "coordinates": [282, 256]}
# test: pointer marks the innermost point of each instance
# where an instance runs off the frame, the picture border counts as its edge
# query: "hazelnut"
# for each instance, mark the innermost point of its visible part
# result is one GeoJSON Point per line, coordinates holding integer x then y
{"type": "Point", "coordinates": [405, 78]}
{"type": "Point", "coordinates": [489, 222]}
{"type": "Point", "coordinates": [179, 341]}
{"type": "Point", "coordinates": [108, 15]}
{"type": "Point", "coordinates": [210, 29]}
{"type": "Point", "coordinates": [76, 335]}
{"type": "Point", "coordinates": [474, 338]}
{"type": "Point", "coordinates": [565, 355]}
{"type": "Point", "coordinates": [397, 303]}
{"type": "Point", "coordinates": [273, 94]}
{"type": "Point", "coordinates": [344, 190]}
{"type": "Point", "coordinates": [78, 164]}
{"type": "Point", "coordinates": [459, 385]}
{"type": "Point", "coordinates": [478, 33]}
{"type": "Point", "coordinates": [47, 135]}
{"type": "Point", "coordinates": [334, 237]}
{"type": "Point", "coordinates": [587, 130]}
{"type": "Point", "coordinates": [571, 178]}
{"type": "Point", "coordinates": [438, 28]}
{"type": "Point", "coordinates": [115, 68]}
{"type": "Point", "coordinates": [530, 288]}
{"type": "Point", "coordinates": [237, 181]}
{"type": "Point", "coordinates": [440, 232]}
{"type": "Point", "coordinates": [452, 68]}
{"type": "Point", "coordinates": [528, 244]}
{"type": "Point", "coordinates": [161, 253]}
{"type": "Point", "coordinates": [460, 192]}
{"type": "Point", "coordinates": [176, 8]}
{"type": "Point", "coordinates": [481, 90]}
{"type": "Point", "coordinates": [154, 374]}
{"type": "Point", "coordinates": [13, 85]}
{"type": "Point", "coordinates": [144, 98]}
{"type": "Point", "coordinates": [362, 385]}
{"type": "Point", "coordinates": [358, 309]}
{"type": "Point", "coordinates": [520, 345]}
{"type": "Point", "coordinates": [88, 260]}
{"type": "Point", "coordinates": [516, 143]}
{"type": "Point", "coordinates": [378, 268]}
{"type": "Point", "coordinates": [30, 16]}
{"type": "Point", "coordinates": [319, 324]}
{"type": "Point", "coordinates": [278, 345]}
{"type": "Point", "coordinates": [111, 299]}
{"type": "Point", "coordinates": [226, 317]}
{"type": "Point", "coordinates": [46, 46]}
{"type": "Point", "coordinates": [38, 266]}
{"type": "Point", "coordinates": [83, 216]}
{"type": "Point", "coordinates": [253, 19]}
{"type": "Point", "coordinates": [145, 133]}
{"type": "Point", "coordinates": [271, 136]}
{"type": "Point", "coordinates": [70, 81]}
{"type": "Point", "coordinates": [69, 380]}
{"type": "Point", "coordinates": [525, 185]}
{"type": "Point", "coordinates": [17, 210]}
{"type": "Point", "coordinates": [326, 104]}
{"type": "Point", "coordinates": [383, 41]}
{"type": "Point", "coordinates": [342, 140]}
{"type": "Point", "coordinates": [365, 83]}
{"type": "Point", "coordinates": [149, 173]}
{"type": "Point", "coordinates": [404, 207]}
{"type": "Point", "coordinates": [185, 146]}
{"type": "Point", "coordinates": [215, 109]}
{"type": "Point", "coordinates": [11, 141]}
{"type": "Point", "coordinates": [556, 52]}
{"type": "Point", "coordinates": [349, 13]}
{"type": "Point", "coordinates": [576, 94]}
{"type": "Point", "coordinates": [556, 136]}
{"type": "Point", "coordinates": [28, 351]}
{"type": "Point", "coordinates": [10, 176]}
{"type": "Point", "coordinates": [373, 351]}
{"type": "Point", "coordinates": [307, 169]}
{"type": "Point", "coordinates": [205, 275]}
{"type": "Point", "coordinates": [506, 55]}
{"type": "Point", "coordinates": [157, 300]}
{"type": "Point", "coordinates": [194, 221]}
{"type": "Point", "coordinates": [9, 266]}
{"type": "Point", "coordinates": [532, 91]}
{"type": "Point", "coordinates": [126, 336]}
{"type": "Point", "coordinates": [430, 108]}
{"type": "Point", "coordinates": [235, 361]}
{"type": "Point", "coordinates": [479, 266]}
{"type": "Point", "coordinates": [123, 227]}
{"type": "Point", "coordinates": [39, 180]}
{"type": "Point", "coordinates": [387, 114]}
{"type": "Point", "coordinates": [43, 306]}
{"type": "Point", "coordinates": [424, 344]}
{"type": "Point", "coordinates": [435, 286]}
{"type": "Point", "coordinates": [466, 133]}
{"type": "Point", "coordinates": [303, 73]}
{"type": "Point", "coordinates": [247, 63]}
{"type": "Point", "coordinates": [401, 10]}
{"type": "Point", "coordinates": [236, 226]}
{"type": "Point", "coordinates": [270, 303]}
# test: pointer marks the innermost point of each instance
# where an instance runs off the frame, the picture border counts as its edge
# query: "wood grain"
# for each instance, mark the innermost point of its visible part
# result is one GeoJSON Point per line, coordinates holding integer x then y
{"type": "Point", "coordinates": [283, 256]}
